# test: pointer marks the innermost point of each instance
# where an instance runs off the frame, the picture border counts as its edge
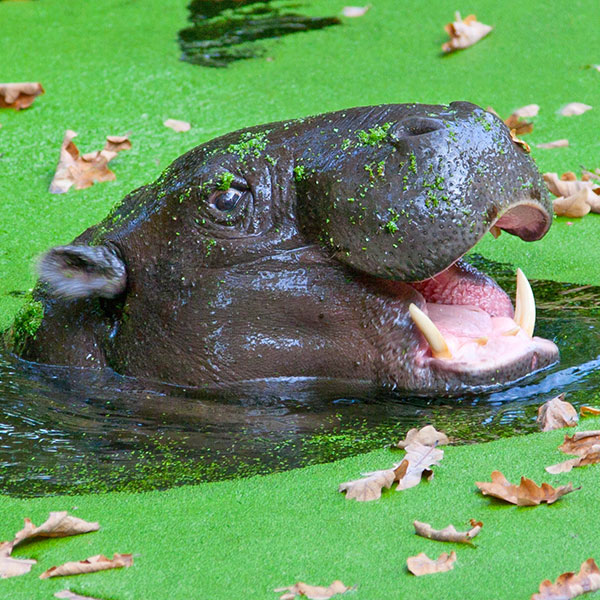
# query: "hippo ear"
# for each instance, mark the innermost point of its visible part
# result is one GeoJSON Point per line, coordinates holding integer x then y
{"type": "Point", "coordinates": [83, 271]}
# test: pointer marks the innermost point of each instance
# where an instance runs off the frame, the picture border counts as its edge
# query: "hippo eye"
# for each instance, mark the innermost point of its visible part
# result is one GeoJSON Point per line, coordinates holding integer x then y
{"type": "Point", "coordinates": [226, 200]}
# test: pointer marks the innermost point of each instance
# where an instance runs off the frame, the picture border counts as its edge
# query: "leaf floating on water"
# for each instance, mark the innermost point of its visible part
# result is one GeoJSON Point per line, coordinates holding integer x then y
{"type": "Point", "coordinates": [448, 534]}
{"type": "Point", "coordinates": [519, 141]}
{"type": "Point", "coordinates": [419, 458]}
{"type": "Point", "coordinates": [580, 443]}
{"type": "Point", "coordinates": [372, 484]}
{"type": "Point", "coordinates": [82, 171]}
{"type": "Point", "coordinates": [423, 565]}
{"type": "Point", "coordinates": [574, 195]}
{"type": "Point", "coordinates": [314, 592]}
{"type": "Point", "coordinates": [428, 436]}
{"type": "Point", "coordinates": [530, 110]}
{"type": "Point", "coordinates": [556, 414]}
{"type": "Point", "coordinates": [588, 411]}
{"type": "Point", "coordinates": [176, 125]}
{"type": "Point", "coordinates": [562, 143]}
{"type": "Point", "coordinates": [574, 108]}
{"type": "Point", "coordinates": [68, 595]}
{"type": "Point", "coordinates": [516, 121]}
{"type": "Point", "coordinates": [89, 565]}
{"type": "Point", "coordinates": [570, 585]}
{"type": "Point", "coordinates": [527, 493]}
{"type": "Point", "coordinates": [464, 32]}
{"type": "Point", "coordinates": [355, 11]}
{"type": "Point", "coordinates": [13, 567]}
{"type": "Point", "coordinates": [591, 457]}
{"type": "Point", "coordinates": [19, 95]}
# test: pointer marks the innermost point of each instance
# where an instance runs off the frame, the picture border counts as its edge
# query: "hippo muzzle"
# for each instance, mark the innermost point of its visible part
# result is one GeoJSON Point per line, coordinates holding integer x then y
{"type": "Point", "coordinates": [323, 247]}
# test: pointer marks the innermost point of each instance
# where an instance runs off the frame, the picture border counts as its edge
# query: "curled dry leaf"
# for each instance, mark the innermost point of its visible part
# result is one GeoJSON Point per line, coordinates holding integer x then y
{"type": "Point", "coordinates": [355, 11]}
{"type": "Point", "coordinates": [573, 195]}
{"type": "Point", "coordinates": [82, 171]}
{"type": "Point", "coordinates": [516, 121]}
{"type": "Point", "coordinates": [574, 108]}
{"type": "Point", "coordinates": [556, 414]}
{"type": "Point", "coordinates": [369, 487]}
{"type": "Point", "coordinates": [519, 141]}
{"type": "Point", "coordinates": [423, 565]}
{"type": "Point", "coordinates": [464, 32]}
{"type": "Point", "coordinates": [13, 567]}
{"type": "Point", "coordinates": [570, 585]}
{"type": "Point", "coordinates": [575, 206]}
{"type": "Point", "coordinates": [19, 95]}
{"type": "Point", "coordinates": [591, 457]}
{"type": "Point", "coordinates": [314, 592]}
{"type": "Point", "coordinates": [419, 458]}
{"type": "Point", "coordinates": [89, 565]}
{"type": "Point", "coordinates": [531, 110]}
{"type": "Point", "coordinates": [68, 595]}
{"type": "Point", "coordinates": [428, 436]}
{"type": "Point", "coordinates": [589, 411]}
{"type": "Point", "coordinates": [562, 143]}
{"type": "Point", "coordinates": [580, 443]}
{"type": "Point", "coordinates": [177, 125]}
{"type": "Point", "coordinates": [448, 534]}
{"type": "Point", "coordinates": [526, 494]}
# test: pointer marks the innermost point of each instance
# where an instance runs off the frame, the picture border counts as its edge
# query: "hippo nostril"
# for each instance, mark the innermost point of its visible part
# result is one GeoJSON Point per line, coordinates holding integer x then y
{"type": "Point", "coordinates": [415, 126]}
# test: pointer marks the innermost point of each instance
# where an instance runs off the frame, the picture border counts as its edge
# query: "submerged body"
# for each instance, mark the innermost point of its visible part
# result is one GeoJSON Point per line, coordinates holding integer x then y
{"type": "Point", "coordinates": [309, 248]}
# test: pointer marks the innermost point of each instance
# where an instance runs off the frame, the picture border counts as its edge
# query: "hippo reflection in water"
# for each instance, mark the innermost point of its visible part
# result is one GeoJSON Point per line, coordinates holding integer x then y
{"type": "Point", "coordinates": [323, 247]}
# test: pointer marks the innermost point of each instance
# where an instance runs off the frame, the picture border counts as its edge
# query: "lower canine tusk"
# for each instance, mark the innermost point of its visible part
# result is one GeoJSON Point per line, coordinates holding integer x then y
{"type": "Point", "coordinates": [524, 305]}
{"type": "Point", "coordinates": [439, 347]}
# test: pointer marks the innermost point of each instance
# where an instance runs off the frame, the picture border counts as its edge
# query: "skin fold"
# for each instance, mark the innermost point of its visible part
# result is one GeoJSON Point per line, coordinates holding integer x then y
{"type": "Point", "coordinates": [294, 249]}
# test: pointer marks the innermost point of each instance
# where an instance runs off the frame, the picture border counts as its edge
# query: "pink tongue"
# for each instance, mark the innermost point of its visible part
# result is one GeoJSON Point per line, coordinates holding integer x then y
{"type": "Point", "coordinates": [461, 321]}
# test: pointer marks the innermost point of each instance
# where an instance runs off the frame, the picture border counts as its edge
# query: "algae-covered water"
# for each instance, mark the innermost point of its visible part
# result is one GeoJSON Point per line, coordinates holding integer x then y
{"type": "Point", "coordinates": [65, 430]}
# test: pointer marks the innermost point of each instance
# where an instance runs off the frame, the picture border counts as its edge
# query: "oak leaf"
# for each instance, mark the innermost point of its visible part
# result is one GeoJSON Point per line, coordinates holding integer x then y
{"type": "Point", "coordinates": [423, 565]}
{"type": "Point", "coordinates": [448, 534]}
{"type": "Point", "coordinates": [516, 121]}
{"type": "Point", "coordinates": [580, 443]}
{"type": "Point", "coordinates": [556, 414]}
{"type": "Point", "coordinates": [68, 595]}
{"type": "Point", "coordinates": [89, 565]}
{"type": "Point", "coordinates": [527, 493]}
{"type": "Point", "coordinates": [573, 195]}
{"type": "Point", "coordinates": [176, 125]}
{"type": "Point", "coordinates": [574, 108]}
{"type": "Point", "coordinates": [369, 487]}
{"type": "Point", "coordinates": [428, 436]}
{"type": "Point", "coordinates": [314, 592]}
{"type": "Point", "coordinates": [464, 32]}
{"type": "Point", "coordinates": [586, 411]}
{"type": "Point", "coordinates": [591, 457]}
{"type": "Point", "coordinates": [554, 144]}
{"type": "Point", "coordinates": [83, 170]}
{"type": "Point", "coordinates": [19, 95]}
{"type": "Point", "coordinates": [419, 458]}
{"type": "Point", "coordinates": [13, 567]}
{"type": "Point", "coordinates": [575, 206]}
{"type": "Point", "coordinates": [570, 585]}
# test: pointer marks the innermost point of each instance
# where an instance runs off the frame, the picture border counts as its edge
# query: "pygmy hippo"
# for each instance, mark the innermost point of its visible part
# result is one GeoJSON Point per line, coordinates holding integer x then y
{"type": "Point", "coordinates": [324, 247]}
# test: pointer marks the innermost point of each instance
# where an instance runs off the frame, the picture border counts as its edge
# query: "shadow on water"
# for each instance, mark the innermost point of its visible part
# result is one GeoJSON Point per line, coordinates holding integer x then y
{"type": "Point", "coordinates": [224, 31]}
{"type": "Point", "coordinates": [63, 430]}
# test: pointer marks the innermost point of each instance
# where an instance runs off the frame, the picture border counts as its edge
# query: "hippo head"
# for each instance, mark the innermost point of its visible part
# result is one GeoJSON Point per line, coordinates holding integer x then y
{"type": "Point", "coordinates": [323, 247]}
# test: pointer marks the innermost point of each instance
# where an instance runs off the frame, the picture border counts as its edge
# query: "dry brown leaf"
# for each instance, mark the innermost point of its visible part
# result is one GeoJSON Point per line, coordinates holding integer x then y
{"type": "Point", "coordinates": [13, 567]}
{"type": "Point", "coordinates": [68, 595]}
{"type": "Point", "coordinates": [419, 458]}
{"type": "Point", "coordinates": [573, 195]}
{"type": "Point", "coordinates": [591, 457]}
{"type": "Point", "coordinates": [448, 534]}
{"type": "Point", "coordinates": [89, 565]}
{"type": "Point", "coordinates": [355, 11]}
{"type": "Point", "coordinates": [574, 108]}
{"type": "Point", "coordinates": [588, 411]}
{"type": "Point", "coordinates": [428, 436]}
{"type": "Point", "coordinates": [556, 414]}
{"type": "Point", "coordinates": [570, 585]}
{"type": "Point", "coordinates": [464, 32]}
{"type": "Point", "coordinates": [177, 125]}
{"type": "Point", "coordinates": [58, 524]}
{"type": "Point", "coordinates": [314, 592]}
{"type": "Point", "coordinates": [82, 171]}
{"type": "Point", "coordinates": [518, 125]}
{"type": "Point", "coordinates": [554, 144]}
{"type": "Point", "coordinates": [369, 487]}
{"type": "Point", "coordinates": [580, 443]}
{"type": "Point", "coordinates": [423, 565]}
{"type": "Point", "coordinates": [519, 141]}
{"type": "Point", "coordinates": [526, 494]}
{"type": "Point", "coordinates": [575, 206]}
{"type": "Point", "coordinates": [531, 110]}
{"type": "Point", "coordinates": [19, 95]}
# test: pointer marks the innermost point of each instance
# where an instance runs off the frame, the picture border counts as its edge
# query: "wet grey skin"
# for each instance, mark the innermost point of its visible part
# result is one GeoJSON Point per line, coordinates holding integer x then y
{"type": "Point", "coordinates": [294, 249]}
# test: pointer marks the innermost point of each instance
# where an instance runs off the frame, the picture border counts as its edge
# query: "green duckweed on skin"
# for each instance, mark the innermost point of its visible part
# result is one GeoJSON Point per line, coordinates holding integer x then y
{"type": "Point", "coordinates": [25, 325]}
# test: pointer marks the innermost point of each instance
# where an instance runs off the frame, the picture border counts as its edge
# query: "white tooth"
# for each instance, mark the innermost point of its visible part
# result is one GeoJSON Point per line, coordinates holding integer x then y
{"type": "Point", "coordinates": [439, 347]}
{"type": "Point", "coordinates": [524, 305]}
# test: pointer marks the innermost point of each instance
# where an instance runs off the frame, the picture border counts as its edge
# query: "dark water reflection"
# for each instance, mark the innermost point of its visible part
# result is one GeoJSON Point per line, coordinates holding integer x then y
{"type": "Point", "coordinates": [65, 430]}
